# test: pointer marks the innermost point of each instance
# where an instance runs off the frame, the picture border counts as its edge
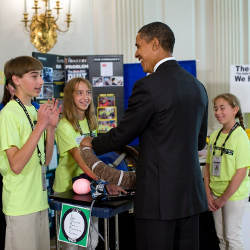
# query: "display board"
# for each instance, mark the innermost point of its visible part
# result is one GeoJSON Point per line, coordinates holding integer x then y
{"type": "Point", "coordinates": [240, 85]}
{"type": "Point", "coordinates": [106, 76]}
{"type": "Point", "coordinates": [105, 73]}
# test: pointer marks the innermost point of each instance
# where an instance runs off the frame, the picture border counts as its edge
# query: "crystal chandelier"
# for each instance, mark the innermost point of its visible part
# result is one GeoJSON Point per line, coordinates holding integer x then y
{"type": "Point", "coordinates": [43, 25]}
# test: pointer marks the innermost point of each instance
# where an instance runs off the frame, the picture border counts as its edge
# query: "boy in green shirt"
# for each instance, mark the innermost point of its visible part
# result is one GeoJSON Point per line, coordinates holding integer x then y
{"type": "Point", "coordinates": [26, 147]}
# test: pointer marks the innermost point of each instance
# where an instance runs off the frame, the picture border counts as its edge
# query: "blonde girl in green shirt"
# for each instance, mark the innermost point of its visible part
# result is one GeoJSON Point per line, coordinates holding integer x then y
{"type": "Point", "coordinates": [78, 120]}
{"type": "Point", "coordinates": [226, 172]}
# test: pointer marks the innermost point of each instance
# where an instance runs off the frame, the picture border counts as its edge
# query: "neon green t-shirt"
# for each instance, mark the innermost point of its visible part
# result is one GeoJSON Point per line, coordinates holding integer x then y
{"type": "Point", "coordinates": [236, 156]}
{"type": "Point", "coordinates": [66, 139]}
{"type": "Point", "coordinates": [22, 193]}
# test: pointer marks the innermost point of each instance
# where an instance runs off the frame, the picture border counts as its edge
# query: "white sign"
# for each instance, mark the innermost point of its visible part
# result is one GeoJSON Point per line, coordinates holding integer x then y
{"type": "Point", "coordinates": [240, 85]}
{"type": "Point", "coordinates": [74, 225]}
{"type": "Point", "coordinates": [106, 68]}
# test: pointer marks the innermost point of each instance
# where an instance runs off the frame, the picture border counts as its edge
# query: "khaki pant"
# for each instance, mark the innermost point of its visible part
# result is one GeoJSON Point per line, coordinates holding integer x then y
{"type": "Point", "coordinates": [28, 232]}
{"type": "Point", "coordinates": [228, 224]}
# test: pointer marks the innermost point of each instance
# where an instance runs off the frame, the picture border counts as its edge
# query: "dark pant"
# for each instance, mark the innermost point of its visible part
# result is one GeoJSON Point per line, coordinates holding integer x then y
{"type": "Point", "coordinates": [179, 234]}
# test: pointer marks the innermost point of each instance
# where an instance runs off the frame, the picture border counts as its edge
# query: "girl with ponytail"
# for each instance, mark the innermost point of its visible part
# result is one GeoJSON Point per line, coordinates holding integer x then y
{"type": "Point", "coordinates": [226, 172]}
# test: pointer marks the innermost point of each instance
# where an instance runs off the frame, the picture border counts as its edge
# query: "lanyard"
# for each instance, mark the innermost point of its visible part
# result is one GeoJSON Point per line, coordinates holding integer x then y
{"type": "Point", "coordinates": [92, 134]}
{"type": "Point", "coordinates": [32, 126]}
{"type": "Point", "coordinates": [223, 145]}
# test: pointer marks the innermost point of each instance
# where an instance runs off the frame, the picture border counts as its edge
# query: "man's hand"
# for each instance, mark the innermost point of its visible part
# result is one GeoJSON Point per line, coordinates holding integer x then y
{"type": "Point", "coordinates": [114, 189]}
{"type": "Point", "coordinates": [86, 142]}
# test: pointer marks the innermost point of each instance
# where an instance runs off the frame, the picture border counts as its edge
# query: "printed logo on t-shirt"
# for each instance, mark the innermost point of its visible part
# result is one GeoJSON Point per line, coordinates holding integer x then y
{"type": "Point", "coordinates": [224, 150]}
{"type": "Point", "coordinates": [79, 138]}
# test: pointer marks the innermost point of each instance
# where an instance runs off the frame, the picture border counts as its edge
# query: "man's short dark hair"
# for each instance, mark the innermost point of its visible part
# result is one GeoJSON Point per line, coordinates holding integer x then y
{"type": "Point", "coordinates": [162, 32]}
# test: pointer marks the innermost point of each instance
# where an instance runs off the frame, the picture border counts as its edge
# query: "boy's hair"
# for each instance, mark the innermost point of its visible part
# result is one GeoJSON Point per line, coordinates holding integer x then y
{"type": "Point", "coordinates": [233, 102]}
{"type": "Point", "coordinates": [19, 66]}
{"type": "Point", "coordinates": [161, 31]}
{"type": "Point", "coordinates": [69, 108]}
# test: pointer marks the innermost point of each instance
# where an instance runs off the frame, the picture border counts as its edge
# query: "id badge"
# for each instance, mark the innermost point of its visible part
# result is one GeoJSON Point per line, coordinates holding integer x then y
{"type": "Point", "coordinates": [44, 178]}
{"type": "Point", "coordinates": [79, 139]}
{"type": "Point", "coordinates": [216, 166]}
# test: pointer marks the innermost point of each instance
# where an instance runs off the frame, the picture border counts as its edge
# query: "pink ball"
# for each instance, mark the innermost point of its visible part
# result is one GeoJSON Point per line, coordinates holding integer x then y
{"type": "Point", "coordinates": [81, 186]}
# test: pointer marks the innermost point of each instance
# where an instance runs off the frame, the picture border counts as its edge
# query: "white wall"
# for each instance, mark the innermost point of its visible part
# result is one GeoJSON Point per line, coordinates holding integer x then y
{"type": "Point", "coordinates": [110, 27]}
{"type": "Point", "coordinates": [93, 30]}
{"type": "Point", "coordinates": [180, 16]}
{"type": "Point", "coordinates": [100, 27]}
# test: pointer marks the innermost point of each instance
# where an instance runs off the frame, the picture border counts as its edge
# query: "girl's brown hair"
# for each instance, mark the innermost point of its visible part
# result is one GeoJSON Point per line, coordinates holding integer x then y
{"type": "Point", "coordinates": [233, 102]}
{"type": "Point", "coordinates": [6, 95]}
{"type": "Point", "coordinates": [69, 108]}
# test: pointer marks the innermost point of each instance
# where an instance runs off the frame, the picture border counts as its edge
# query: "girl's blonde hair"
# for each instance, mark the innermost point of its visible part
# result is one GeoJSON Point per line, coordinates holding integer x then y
{"type": "Point", "coordinates": [233, 102]}
{"type": "Point", "coordinates": [69, 108]}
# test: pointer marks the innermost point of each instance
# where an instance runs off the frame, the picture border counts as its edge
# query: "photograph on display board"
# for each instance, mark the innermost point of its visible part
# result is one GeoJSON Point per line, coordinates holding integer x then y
{"type": "Point", "coordinates": [105, 81]}
{"type": "Point", "coordinates": [105, 126]}
{"type": "Point", "coordinates": [47, 74]}
{"type": "Point", "coordinates": [106, 113]}
{"type": "Point", "coordinates": [97, 81]}
{"type": "Point", "coordinates": [101, 81]}
{"type": "Point", "coordinates": [47, 92]}
{"type": "Point", "coordinates": [117, 81]}
{"type": "Point", "coordinates": [58, 75]}
{"type": "Point", "coordinates": [106, 100]}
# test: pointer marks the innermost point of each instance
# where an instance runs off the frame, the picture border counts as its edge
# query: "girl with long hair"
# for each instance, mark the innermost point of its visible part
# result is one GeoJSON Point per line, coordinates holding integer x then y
{"type": "Point", "coordinates": [226, 172]}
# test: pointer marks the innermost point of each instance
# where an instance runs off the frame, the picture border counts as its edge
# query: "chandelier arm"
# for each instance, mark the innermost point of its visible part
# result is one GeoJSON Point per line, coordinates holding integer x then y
{"type": "Point", "coordinates": [57, 18]}
{"type": "Point", "coordinates": [63, 31]}
{"type": "Point", "coordinates": [27, 29]}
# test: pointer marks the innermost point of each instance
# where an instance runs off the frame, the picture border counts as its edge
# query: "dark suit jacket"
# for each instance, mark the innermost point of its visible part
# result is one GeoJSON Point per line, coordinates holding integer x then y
{"type": "Point", "coordinates": [168, 111]}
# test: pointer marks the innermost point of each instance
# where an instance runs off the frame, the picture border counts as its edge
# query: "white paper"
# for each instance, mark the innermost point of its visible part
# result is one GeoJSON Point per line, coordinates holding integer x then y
{"type": "Point", "coordinates": [106, 68]}
{"type": "Point", "coordinates": [240, 85]}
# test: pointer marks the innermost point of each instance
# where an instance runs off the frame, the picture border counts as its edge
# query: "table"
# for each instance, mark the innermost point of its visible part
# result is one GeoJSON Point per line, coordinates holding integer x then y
{"type": "Point", "coordinates": [101, 209]}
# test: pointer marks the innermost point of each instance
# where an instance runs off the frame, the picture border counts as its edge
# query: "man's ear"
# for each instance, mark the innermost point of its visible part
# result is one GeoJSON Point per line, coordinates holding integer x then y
{"type": "Point", "coordinates": [156, 44]}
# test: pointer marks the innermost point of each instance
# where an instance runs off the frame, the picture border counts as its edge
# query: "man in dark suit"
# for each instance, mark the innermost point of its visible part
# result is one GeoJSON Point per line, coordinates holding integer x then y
{"type": "Point", "coordinates": [168, 111]}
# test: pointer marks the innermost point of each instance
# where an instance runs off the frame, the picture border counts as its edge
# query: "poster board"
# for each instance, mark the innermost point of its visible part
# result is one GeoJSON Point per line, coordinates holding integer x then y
{"type": "Point", "coordinates": [240, 85]}
{"type": "Point", "coordinates": [105, 73]}
{"type": "Point", "coordinates": [106, 76]}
